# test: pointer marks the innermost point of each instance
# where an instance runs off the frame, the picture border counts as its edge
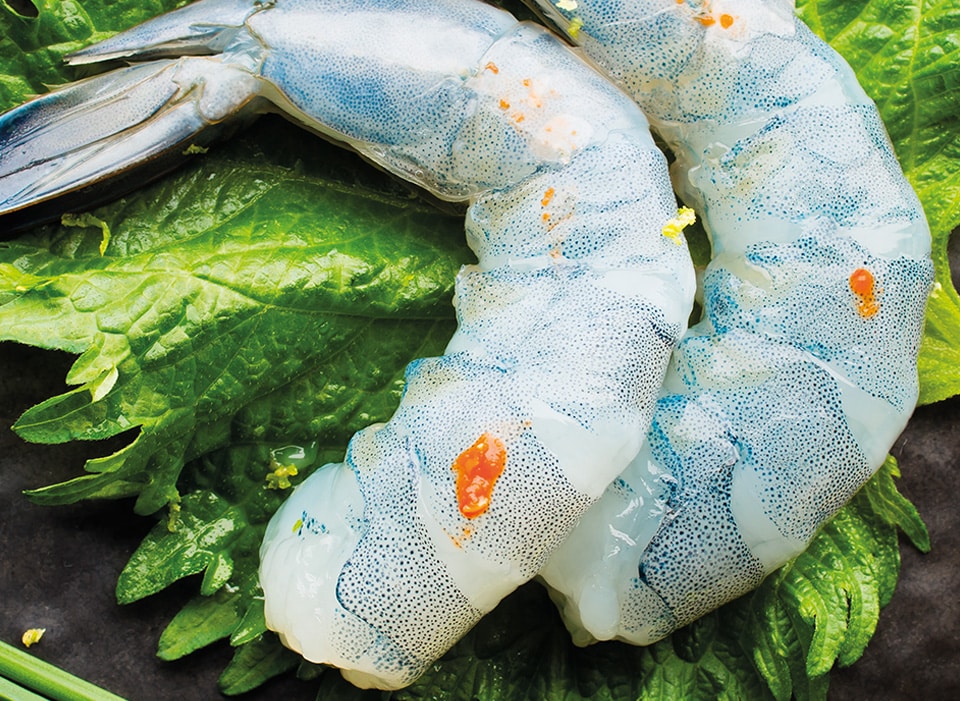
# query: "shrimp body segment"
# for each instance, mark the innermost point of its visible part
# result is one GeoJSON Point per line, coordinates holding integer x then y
{"type": "Point", "coordinates": [566, 322]}
{"type": "Point", "coordinates": [786, 397]}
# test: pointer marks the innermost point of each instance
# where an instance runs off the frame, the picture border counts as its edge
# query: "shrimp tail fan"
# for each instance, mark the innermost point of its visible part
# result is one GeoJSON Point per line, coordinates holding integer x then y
{"type": "Point", "coordinates": [92, 140]}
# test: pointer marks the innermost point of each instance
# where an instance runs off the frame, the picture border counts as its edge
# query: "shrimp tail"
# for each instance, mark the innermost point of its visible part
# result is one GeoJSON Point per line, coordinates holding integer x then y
{"type": "Point", "coordinates": [91, 140]}
{"type": "Point", "coordinates": [199, 29]}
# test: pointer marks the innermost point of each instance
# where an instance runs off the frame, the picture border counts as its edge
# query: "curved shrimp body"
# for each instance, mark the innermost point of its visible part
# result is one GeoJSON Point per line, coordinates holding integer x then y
{"type": "Point", "coordinates": [566, 323]}
{"type": "Point", "coordinates": [785, 398]}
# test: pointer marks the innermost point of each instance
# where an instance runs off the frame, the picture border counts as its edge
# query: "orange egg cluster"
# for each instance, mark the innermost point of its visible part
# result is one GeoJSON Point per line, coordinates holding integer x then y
{"type": "Point", "coordinates": [864, 287]}
{"type": "Point", "coordinates": [477, 469]}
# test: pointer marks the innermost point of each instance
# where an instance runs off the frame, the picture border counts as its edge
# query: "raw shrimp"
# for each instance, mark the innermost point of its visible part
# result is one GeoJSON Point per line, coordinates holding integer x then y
{"type": "Point", "coordinates": [786, 397]}
{"type": "Point", "coordinates": [566, 323]}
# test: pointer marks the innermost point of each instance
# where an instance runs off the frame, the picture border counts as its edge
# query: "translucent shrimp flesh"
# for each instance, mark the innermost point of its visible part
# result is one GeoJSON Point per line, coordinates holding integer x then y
{"type": "Point", "coordinates": [776, 407]}
{"type": "Point", "coordinates": [566, 323]}
{"type": "Point", "coordinates": [786, 397]}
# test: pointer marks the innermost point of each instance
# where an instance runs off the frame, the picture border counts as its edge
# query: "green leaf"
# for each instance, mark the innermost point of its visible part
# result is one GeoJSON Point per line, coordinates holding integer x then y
{"type": "Point", "coordinates": [828, 599]}
{"type": "Point", "coordinates": [777, 654]}
{"type": "Point", "coordinates": [939, 362]}
{"type": "Point", "coordinates": [255, 663]}
{"type": "Point", "coordinates": [192, 317]}
{"type": "Point", "coordinates": [521, 651]}
{"type": "Point", "coordinates": [907, 58]}
{"type": "Point", "coordinates": [196, 540]}
{"type": "Point", "coordinates": [202, 621]}
{"type": "Point", "coordinates": [251, 626]}
{"type": "Point", "coordinates": [332, 687]}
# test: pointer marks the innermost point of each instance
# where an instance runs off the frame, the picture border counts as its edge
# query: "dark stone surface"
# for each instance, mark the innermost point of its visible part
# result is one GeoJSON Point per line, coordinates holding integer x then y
{"type": "Point", "coordinates": [916, 650]}
{"type": "Point", "coordinates": [60, 565]}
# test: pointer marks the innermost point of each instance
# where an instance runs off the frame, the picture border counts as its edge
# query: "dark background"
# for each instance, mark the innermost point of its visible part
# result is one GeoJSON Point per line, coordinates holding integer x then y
{"type": "Point", "coordinates": [60, 566]}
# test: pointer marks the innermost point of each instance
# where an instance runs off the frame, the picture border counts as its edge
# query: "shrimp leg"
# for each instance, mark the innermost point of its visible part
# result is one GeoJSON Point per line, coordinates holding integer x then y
{"type": "Point", "coordinates": [566, 323]}
{"type": "Point", "coordinates": [786, 397]}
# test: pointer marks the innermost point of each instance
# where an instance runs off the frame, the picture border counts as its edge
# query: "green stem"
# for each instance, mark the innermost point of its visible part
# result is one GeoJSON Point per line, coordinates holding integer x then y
{"type": "Point", "coordinates": [13, 692]}
{"type": "Point", "coordinates": [44, 678]}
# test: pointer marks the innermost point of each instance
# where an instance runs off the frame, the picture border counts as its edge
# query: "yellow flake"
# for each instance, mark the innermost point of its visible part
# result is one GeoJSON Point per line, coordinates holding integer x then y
{"type": "Point", "coordinates": [576, 24]}
{"type": "Point", "coordinates": [280, 477]}
{"type": "Point", "coordinates": [673, 229]}
{"type": "Point", "coordinates": [32, 636]}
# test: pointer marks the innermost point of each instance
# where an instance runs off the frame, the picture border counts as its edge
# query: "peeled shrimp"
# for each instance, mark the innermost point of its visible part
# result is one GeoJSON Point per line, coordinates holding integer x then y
{"type": "Point", "coordinates": [786, 397]}
{"type": "Point", "coordinates": [566, 323]}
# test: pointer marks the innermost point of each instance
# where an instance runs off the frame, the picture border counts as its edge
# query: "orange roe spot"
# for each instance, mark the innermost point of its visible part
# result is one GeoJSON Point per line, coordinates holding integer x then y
{"type": "Point", "coordinates": [478, 468]}
{"type": "Point", "coordinates": [504, 105]}
{"type": "Point", "coordinates": [726, 20]}
{"type": "Point", "coordinates": [492, 67]}
{"type": "Point", "coordinates": [545, 216]}
{"type": "Point", "coordinates": [526, 82]}
{"type": "Point", "coordinates": [861, 282]}
{"type": "Point", "coordinates": [518, 117]}
{"type": "Point", "coordinates": [547, 196]}
{"type": "Point", "coordinates": [706, 20]}
{"type": "Point", "coordinates": [863, 286]}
